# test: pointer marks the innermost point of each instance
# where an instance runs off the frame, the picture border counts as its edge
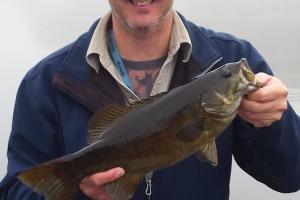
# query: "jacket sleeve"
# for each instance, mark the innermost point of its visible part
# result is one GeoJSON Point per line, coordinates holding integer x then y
{"type": "Point", "coordinates": [270, 154]}
{"type": "Point", "coordinates": [34, 136]}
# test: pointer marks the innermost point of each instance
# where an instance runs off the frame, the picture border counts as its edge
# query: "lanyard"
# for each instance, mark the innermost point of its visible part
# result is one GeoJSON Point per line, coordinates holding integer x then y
{"type": "Point", "coordinates": [118, 60]}
{"type": "Point", "coordinates": [122, 70]}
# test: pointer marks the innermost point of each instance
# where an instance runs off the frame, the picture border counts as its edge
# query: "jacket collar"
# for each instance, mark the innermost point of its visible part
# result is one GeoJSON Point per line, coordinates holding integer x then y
{"type": "Point", "coordinates": [79, 81]}
{"type": "Point", "coordinates": [204, 52]}
{"type": "Point", "coordinates": [74, 64]}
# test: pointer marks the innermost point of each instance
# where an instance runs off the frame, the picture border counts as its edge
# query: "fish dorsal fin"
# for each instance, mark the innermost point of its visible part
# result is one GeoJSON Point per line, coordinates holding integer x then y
{"type": "Point", "coordinates": [103, 120]}
{"type": "Point", "coordinates": [147, 101]}
{"type": "Point", "coordinates": [208, 153]}
{"type": "Point", "coordinates": [123, 188]}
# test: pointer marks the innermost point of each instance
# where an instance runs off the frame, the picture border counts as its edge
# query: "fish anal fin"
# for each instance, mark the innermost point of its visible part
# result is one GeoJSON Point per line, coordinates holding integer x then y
{"type": "Point", "coordinates": [42, 179]}
{"type": "Point", "coordinates": [123, 188]}
{"type": "Point", "coordinates": [209, 153]}
{"type": "Point", "coordinates": [61, 193]}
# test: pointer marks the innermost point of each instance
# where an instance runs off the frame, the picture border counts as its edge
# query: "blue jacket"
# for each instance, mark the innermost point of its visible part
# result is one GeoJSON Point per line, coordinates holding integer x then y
{"type": "Point", "coordinates": [57, 97]}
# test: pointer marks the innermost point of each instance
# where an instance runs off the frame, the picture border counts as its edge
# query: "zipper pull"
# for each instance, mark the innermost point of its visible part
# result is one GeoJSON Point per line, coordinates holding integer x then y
{"type": "Point", "coordinates": [148, 190]}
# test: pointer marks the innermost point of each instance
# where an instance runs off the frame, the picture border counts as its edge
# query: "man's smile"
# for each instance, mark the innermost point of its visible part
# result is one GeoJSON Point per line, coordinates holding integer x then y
{"type": "Point", "coordinates": [141, 2]}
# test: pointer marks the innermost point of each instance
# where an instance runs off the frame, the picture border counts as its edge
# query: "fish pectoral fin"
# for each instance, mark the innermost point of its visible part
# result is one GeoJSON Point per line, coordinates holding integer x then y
{"type": "Point", "coordinates": [123, 188]}
{"type": "Point", "coordinates": [190, 132]}
{"type": "Point", "coordinates": [42, 179]}
{"type": "Point", "coordinates": [209, 153]}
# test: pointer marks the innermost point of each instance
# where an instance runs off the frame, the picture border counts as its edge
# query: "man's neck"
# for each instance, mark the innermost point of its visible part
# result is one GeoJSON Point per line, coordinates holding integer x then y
{"type": "Point", "coordinates": [144, 45]}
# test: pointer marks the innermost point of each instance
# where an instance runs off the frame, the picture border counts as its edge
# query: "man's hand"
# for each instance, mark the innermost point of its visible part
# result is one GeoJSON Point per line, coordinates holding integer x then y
{"type": "Point", "coordinates": [266, 105]}
{"type": "Point", "coordinates": [94, 185]}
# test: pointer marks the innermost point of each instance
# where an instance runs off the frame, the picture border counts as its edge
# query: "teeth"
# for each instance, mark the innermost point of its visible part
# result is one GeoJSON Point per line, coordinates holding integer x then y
{"type": "Point", "coordinates": [141, 3]}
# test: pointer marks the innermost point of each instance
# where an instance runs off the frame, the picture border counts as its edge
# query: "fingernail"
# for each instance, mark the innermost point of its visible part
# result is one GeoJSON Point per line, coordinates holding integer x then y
{"type": "Point", "coordinates": [84, 180]}
{"type": "Point", "coordinates": [119, 172]}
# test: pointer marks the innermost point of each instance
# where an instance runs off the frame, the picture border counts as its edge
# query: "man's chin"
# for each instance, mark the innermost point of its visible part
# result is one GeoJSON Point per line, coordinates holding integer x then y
{"type": "Point", "coordinates": [142, 27]}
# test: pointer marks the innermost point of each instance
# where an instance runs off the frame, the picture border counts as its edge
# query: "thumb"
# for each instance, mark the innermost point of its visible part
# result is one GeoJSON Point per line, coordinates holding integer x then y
{"type": "Point", "coordinates": [102, 178]}
{"type": "Point", "coordinates": [263, 78]}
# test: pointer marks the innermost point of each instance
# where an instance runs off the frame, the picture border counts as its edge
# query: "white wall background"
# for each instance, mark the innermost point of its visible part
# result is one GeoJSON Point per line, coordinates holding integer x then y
{"type": "Point", "coordinates": [31, 29]}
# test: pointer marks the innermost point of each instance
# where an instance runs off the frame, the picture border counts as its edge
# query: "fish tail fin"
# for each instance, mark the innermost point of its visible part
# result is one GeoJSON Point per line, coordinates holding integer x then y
{"type": "Point", "coordinates": [43, 179]}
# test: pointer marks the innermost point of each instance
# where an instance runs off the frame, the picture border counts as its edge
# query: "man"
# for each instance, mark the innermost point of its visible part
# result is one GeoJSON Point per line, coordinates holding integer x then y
{"type": "Point", "coordinates": [159, 50]}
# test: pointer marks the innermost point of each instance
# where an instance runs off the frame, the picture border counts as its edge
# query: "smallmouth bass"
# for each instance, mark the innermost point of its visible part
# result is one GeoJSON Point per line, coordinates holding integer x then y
{"type": "Point", "coordinates": [149, 135]}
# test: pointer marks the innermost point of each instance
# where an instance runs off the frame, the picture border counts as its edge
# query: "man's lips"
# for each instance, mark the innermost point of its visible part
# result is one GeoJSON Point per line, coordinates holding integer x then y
{"type": "Point", "coordinates": [141, 2]}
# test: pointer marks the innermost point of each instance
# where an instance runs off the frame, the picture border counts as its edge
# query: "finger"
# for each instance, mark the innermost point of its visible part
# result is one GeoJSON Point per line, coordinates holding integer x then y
{"type": "Point", "coordinates": [264, 107]}
{"type": "Point", "coordinates": [263, 78]}
{"type": "Point", "coordinates": [270, 84]}
{"type": "Point", "coordinates": [269, 93]}
{"type": "Point", "coordinates": [261, 117]}
{"type": "Point", "coordinates": [93, 186]}
{"type": "Point", "coordinates": [257, 123]}
{"type": "Point", "coordinates": [103, 178]}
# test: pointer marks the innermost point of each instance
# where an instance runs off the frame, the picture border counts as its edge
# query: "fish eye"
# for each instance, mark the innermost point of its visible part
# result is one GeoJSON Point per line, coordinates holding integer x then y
{"type": "Point", "coordinates": [226, 73]}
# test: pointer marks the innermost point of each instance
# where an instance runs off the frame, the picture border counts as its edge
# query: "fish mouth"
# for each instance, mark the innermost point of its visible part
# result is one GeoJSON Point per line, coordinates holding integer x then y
{"type": "Point", "coordinates": [248, 81]}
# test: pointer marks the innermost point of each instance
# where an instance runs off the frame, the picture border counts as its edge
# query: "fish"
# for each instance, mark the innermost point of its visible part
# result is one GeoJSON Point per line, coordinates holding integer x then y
{"type": "Point", "coordinates": [149, 135]}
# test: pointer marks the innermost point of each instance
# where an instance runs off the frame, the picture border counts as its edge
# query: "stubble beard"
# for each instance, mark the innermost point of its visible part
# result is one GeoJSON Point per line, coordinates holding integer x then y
{"type": "Point", "coordinates": [143, 32]}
